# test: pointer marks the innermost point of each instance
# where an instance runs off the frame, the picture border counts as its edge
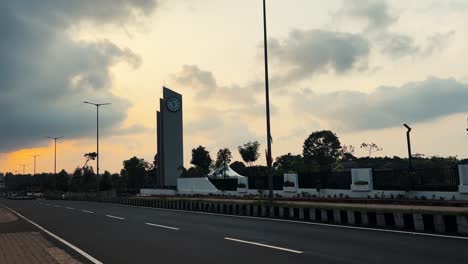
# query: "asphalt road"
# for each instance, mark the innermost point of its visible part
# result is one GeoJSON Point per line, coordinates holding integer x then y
{"type": "Point", "coordinates": [122, 234]}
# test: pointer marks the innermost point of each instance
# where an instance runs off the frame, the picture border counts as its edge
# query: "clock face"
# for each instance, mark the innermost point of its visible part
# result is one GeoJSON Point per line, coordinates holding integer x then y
{"type": "Point", "coordinates": [173, 104]}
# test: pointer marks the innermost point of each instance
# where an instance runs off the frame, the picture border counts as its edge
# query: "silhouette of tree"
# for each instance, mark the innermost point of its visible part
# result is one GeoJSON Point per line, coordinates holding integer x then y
{"type": "Point", "coordinates": [249, 152]}
{"type": "Point", "coordinates": [62, 181]}
{"type": "Point", "coordinates": [288, 162]}
{"type": "Point", "coordinates": [223, 158]}
{"type": "Point", "coordinates": [89, 156]}
{"type": "Point", "coordinates": [371, 147]}
{"type": "Point", "coordinates": [347, 153]}
{"type": "Point", "coordinates": [322, 147]}
{"type": "Point", "coordinates": [239, 167]}
{"type": "Point", "coordinates": [201, 159]}
{"type": "Point", "coordinates": [134, 171]}
{"type": "Point", "coordinates": [105, 183]}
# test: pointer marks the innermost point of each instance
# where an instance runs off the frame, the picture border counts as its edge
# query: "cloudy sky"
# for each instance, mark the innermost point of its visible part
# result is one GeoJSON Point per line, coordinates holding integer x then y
{"type": "Point", "coordinates": [359, 68]}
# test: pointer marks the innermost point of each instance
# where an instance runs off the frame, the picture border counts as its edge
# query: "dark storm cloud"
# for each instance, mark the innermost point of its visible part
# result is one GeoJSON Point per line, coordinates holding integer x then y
{"type": "Point", "coordinates": [305, 53]}
{"type": "Point", "coordinates": [387, 106]}
{"type": "Point", "coordinates": [45, 74]}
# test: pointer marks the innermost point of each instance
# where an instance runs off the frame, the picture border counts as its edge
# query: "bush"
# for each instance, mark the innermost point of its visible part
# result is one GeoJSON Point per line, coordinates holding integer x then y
{"type": "Point", "coordinates": [289, 184]}
{"type": "Point", "coordinates": [361, 183]}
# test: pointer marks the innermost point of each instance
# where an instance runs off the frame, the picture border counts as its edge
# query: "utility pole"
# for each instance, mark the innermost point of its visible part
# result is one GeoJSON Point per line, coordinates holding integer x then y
{"type": "Point", "coordinates": [35, 156]}
{"type": "Point", "coordinates": [55, 152]}
{"type": "Point", "coordinates": [267, 102]}
{"type": "Point", "coordinates": [97, 133]}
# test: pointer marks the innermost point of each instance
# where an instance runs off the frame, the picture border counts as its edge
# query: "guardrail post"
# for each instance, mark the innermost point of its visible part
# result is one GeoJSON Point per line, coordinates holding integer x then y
{"type": "Point", "coordinates": [351, 219]}
{"type": "Point", "coordinates": [399, 220]}
{"type": "Point", "coordinates": [365, 218]}
{"type": "Point", "coordinates": [291, 212]}
{"type": "Point", "coordinates": [380, 219]}
{"type": "Point", "coordinates": [462, 224]}
{"type": "Point", "coordinates": [336, 217]}
{"type": "Point", "coordinates": [324, 215]}
{"type": "Point", "coordinates": [263, 210]}
{"type": "Point", "coordinates": [281, 212]}
{"type": "Point", "coordinates": [418, 222]}
{"type": "Point", "coordinates": [301, 213]}
{"type": "Point", "coordinates": [313, 214]}
{"type": "Point", "coordinates": [272, 211]}
{"type": "Point", "coordinates": [439, 224]}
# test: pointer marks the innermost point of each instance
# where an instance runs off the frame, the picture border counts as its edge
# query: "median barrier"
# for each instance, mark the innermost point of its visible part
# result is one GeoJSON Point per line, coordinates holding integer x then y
{"type": "Point", "coordinates": [433, 222]}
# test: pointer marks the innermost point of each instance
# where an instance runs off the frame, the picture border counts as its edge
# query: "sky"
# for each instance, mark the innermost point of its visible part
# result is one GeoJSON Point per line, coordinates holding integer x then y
{"type": "Point", "coordinates": [360, 68]}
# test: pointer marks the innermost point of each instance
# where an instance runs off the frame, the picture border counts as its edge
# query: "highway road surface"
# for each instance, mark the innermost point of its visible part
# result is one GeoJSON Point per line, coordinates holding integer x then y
{"type": "Point", "coordinates": [122, 234]}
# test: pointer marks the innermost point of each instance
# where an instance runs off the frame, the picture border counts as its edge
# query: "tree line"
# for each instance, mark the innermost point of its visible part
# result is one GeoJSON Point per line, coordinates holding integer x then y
{"type": "Point", "coordinates": [321, 151]}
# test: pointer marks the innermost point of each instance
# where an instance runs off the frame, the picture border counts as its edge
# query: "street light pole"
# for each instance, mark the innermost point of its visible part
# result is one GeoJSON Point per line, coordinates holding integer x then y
{"type": "Point", "coordinates": [55, 152]}
{"type": "Point", "coordinates": [97, 133]}
{"type": "Point", "coordinates": [267, 97]}
{"type": "Point", "coordinates": [408, 141]}
{"type": "Point", "coordinates": [23, 165]}
{"type": "Point", "coordinates": [35, 156]}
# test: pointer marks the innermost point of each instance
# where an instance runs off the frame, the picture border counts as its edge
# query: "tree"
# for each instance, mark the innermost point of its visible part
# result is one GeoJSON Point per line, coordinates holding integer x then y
{"type": "Point", "coordinates": [62, 181]}
{"type": "Point", "coordinates": [371, 148]}
{"type": "Point", "coordinates": [75, 182]}
{"type": "Point", "coordinates": [249, 152]}
{"type": "Point", "coordinates": [89, 181]}
{"type": "Point", "coordinates": [347, 153]}
{"type": "Point", "coordinates": [288, 162]}
{"type": "Point", "coordinates": [201, 159]}
{"type": "Point", "coordinates": [134, 171]}
{"type": "Point", "coordinates": [89, 156]}
{"type": "Point", "coordinates": [322, 147]}
{"type": "Point", "coordinates": [223, 158]}
{"type": "Point", "coordinates": [239, 167]}
{"type": "Point", "coordinates": [105, 184]}
{"type": "Point", "coordinates": [119, 183]}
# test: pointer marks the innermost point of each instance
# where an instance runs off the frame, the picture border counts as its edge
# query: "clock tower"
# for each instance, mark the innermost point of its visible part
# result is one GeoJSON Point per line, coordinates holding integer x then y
{"type": "Point", "coordinates": [169, 135]}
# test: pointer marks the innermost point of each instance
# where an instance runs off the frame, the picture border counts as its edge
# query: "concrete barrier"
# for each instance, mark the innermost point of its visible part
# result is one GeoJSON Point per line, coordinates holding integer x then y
{"type": "Point", "coordinates": [427, 222]}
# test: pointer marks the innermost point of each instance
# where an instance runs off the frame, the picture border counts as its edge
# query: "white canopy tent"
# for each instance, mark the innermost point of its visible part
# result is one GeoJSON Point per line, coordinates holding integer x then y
{"type": "Point", "coordinates": [228, 172]}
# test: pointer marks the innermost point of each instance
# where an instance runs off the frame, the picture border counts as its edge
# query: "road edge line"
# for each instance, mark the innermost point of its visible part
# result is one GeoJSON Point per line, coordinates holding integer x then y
{"type": "Point", "coordinates": [70, 245]}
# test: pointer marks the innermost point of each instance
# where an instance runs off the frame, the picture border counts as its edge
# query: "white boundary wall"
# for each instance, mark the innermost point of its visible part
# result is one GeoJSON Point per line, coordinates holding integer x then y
{"type": "Point", "coordinates": [203, 186]}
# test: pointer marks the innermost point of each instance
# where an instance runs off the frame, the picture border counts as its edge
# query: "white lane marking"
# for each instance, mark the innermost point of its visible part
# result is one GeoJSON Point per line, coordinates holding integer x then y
{"type": "Point", "coordinates": [163, 226]}
{"type": "Point", "coordinates": [40, 203]}
{"type": "Point", "coordinates": [263, 245]}
{"type": "Point", "coordinates": [57, 206]}
{"type": "Point", "coordinates": [84, 254]}
{"type": "Point", "coordinates": [89, 212]}
{"type": "Point", "coordinates": [70, 208]}
{"type": "Point", "coordinates": [116, 217]}
{"type": "Point", "coordinates": [47, 204]}
{"type": "Point", "coordinates": [304, 223]}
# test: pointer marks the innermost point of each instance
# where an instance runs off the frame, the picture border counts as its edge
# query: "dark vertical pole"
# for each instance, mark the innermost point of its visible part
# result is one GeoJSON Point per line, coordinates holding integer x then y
{"type": "Point", "coordinates": [408, 141]}
{"type": "Point", "coordinates": [267, 97]}
{"type": "Point", "coordinates": [97, 140]}
{"type": "Point", "coordinates": [55, 156]}
{"type": "Point", "coordinates": [34, 165]}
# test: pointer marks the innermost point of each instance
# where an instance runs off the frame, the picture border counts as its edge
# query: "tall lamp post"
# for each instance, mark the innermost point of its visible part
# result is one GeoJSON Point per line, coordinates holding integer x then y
{"type": "Point", "coordinates": [55, 152]}
{"type": "Point", "coordinates": [24, 166]}
{"type": "Point", "coordinates": [97, 132]}
{"type": "Point", "coordinates": [408, 141]}
{"type": "Point", "coordinates": [35, 156]}
{"type": "Point", "coordinates": [267, 97]}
